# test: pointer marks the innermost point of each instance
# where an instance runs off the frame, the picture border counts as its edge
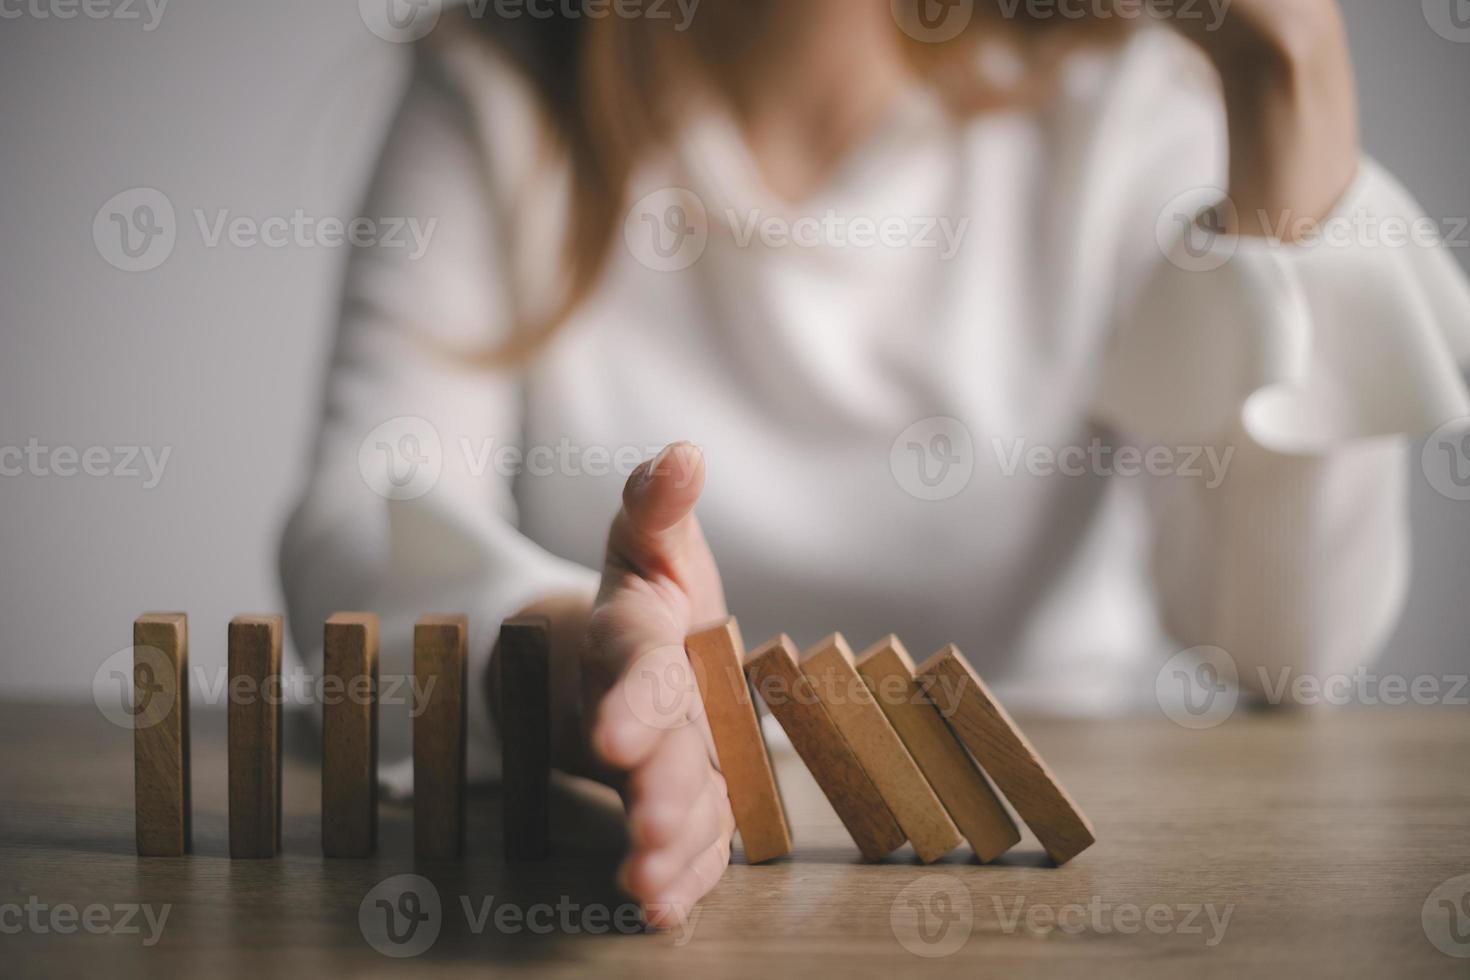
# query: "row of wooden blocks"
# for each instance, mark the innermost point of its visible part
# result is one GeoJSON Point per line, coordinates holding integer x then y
{"type": "Point", "coordinates": [897, 748]}
{"type": "Point", "coordinates": [349, 800]}
{"type": "Point", "coordinates": [901, 751]}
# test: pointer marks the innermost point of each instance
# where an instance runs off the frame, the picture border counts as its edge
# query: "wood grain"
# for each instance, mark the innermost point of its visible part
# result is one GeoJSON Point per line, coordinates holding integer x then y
{"type": "Point", "coordinates": [524, 662]}
{"type": "Point", "coordinates": [160, 713]}
{"type": "Point", "coordinates": [350, 735]}
{"type": "Point", "coordinates": [1322, 833]}
{"type": "Point", "coordinates": [1006, 755]}
{"type": "Point", "coordinates": [716, 654]}
{"type": "Point", "coordinates": [888, 671]}
{"type": "Point", "coordinates": [255, 696]}
{"type": "Point", "coordinates": [776, 674]}
{"type": "Point", "coordinates": [829, 665]}
{"type": "Point", "coordinates": [439, 667]}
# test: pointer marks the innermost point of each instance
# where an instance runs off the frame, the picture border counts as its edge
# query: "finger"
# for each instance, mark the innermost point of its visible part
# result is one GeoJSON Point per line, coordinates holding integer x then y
{"type": "Point", "coordinates": [654, 697]}
{"type": "Point", "coordinates": [636, 657]}
{"type": "Point", "coordinates": [655, 533]}
{"type": "Point", "coordinates": [649, 870]}
{"type": "Point", "coordinates": [663, 491]}
{"type": "Point", "coordinates": [661, 793]}
{"type": "Point", "coordinates": [673, 908]}
{"type": "Point", "coordinates": [647, 874]}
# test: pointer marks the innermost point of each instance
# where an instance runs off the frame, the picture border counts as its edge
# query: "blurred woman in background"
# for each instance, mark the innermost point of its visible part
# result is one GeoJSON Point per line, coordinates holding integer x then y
{"type": "Point", "coordinates": [996, 326]}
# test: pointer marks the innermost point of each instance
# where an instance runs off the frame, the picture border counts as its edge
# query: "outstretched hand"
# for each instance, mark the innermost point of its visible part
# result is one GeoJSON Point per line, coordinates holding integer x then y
{"type": "Point", "coordinates": [659, 580]}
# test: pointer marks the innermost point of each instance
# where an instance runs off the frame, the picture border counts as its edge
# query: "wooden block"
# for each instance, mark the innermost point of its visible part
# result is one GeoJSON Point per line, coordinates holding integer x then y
{"type": "Point", "coordinates": [524, 665]}
{"type": "Point", "coordinates": [715, 654]}
{"type": "Point", "coordinates": [777, 677]}
{"type": "Point", "coordinates": [1005, 754]}
{"type": "Point", "coordinates": [830, 668]}
{"type": "Point", "coordinates": [439, 644]}
{"type": "Point", "coordinates": [888, 671]}
{"type": "Point", "coordinates": [160, 709]}
{"type": "Point", "coordinates": [350, 735]}
{"type": "Point", "coordinates": [255, 736]}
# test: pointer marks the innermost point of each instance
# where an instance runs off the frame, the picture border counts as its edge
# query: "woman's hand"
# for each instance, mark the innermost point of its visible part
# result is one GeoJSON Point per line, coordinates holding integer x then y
{"type": "Point", "coordinates": [658, 581]}
{"type": "Point", "coordinates": [625, 707]}
{"type": "Point", "coordinates": [1291, 103]}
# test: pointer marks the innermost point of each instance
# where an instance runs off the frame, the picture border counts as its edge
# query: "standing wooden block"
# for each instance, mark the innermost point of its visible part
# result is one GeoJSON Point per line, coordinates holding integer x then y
{"type": "Point", "coordinates": [1000, 748]}
{"type": "Point", "coordinates": [715, 654]}
{"type": "Point", "coordinates": [439, 644]}
{"type": "Point", "coordinates": [161, 735]}
{"type": "Point", "coordinates": [777, 676]}
{"type": "Point", "coordinates": [255, 736]}
{"type": "Point", "coordinates": [524, 665]}
{"type": "Point", "coordinates": [960, 785]}
{"type": "Point", "coordinates": [830, 668]}
{"type": "Point", "coordinates": [350, 735]}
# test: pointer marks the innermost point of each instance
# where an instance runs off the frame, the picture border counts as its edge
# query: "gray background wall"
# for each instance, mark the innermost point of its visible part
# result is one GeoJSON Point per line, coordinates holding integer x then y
{"type": "Point", "coordinates": [268, 106]}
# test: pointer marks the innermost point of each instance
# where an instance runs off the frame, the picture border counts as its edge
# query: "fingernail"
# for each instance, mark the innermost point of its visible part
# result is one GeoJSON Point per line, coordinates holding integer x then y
{"type": "Point", "coordinates": [656, 467]}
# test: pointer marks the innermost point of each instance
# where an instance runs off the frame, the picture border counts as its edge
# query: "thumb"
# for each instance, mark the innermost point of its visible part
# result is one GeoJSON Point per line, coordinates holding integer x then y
{"type": "Point", "coordinates": [655, 531]}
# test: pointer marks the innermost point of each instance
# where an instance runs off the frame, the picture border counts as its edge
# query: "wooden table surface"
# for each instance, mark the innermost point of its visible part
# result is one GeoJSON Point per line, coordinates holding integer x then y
{"type": "Point", "coordinates": [1319, 836]}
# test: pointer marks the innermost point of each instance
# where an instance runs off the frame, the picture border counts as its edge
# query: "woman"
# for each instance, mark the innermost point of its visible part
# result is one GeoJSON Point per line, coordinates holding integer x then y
{"type": "Point", "coordinates": [914, 297]}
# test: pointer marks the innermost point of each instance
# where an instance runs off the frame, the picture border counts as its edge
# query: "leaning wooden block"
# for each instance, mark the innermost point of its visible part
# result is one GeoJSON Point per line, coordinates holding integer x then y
{"type": "Point", "coordinates": [960, 785]}
{"type": "Point", "coordinates": [255, 736]}
{"type": "Point", "coordinates": [439, 645]}
{"type": "Point", "coordinates": [1005, 754]}
{"type": "Point", "coordinates": [161, 735]}
{"type": "Point", "coordinates": [829, 666]}
{"type": "Point", "coordinates": [777, 676]}
{"type": "Point", "coordinates": [524, 666]}
{"type": "Point", "coordinates": [350, 735]}
{"type": "Point", "coordinates": [715, 654]}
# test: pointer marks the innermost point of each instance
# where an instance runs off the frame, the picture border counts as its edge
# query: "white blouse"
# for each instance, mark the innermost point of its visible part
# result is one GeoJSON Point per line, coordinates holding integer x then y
{"type": "Point", "coordinates": [982, 388]}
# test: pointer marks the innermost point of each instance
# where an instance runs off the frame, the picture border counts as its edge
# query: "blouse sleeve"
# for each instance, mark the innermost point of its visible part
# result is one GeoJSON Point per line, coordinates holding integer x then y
{"type": "Point", "coordinates": [1355, 333]}
{"type": "Point", "coordinates": [1306, 367]}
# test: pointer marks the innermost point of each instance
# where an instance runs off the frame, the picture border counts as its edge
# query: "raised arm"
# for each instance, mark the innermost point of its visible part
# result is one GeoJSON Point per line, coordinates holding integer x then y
{"type": "Point", "coordinates": [1305, 361]}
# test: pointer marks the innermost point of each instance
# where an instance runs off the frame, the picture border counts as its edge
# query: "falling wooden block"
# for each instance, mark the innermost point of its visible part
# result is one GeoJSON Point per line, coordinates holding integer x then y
{"type": "Point", "coordinates": [255, 736]}
{"type": "Point", "coordinates": [830, 668]}
{"type": "Point", "coordinates": [160, 713]}
{"type": "Point", "coordinates": [524, 666]}
{"type": "Point", "coordinates": [1005, 754]}
{"type": "Point", "coordinates": [715, 654]}
{"type": "Point", "coordinates": [439, 644]}
{"type": "Point", "coordinates": [777, 676]}
{"type": "Point", "coordinates": [350, 735]}
{"type": "Point", "coordinates": [960, 785]}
